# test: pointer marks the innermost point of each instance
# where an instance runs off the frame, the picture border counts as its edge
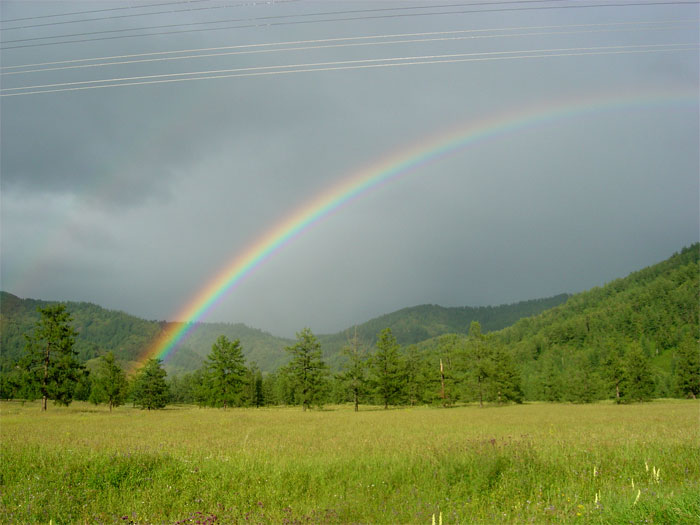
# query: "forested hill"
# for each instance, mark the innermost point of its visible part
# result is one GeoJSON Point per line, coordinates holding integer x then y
{"type": "Point", "coordinates": [101, 330]}
{"type": "Point", "coordinates": [655, 309]}
{"type": "Point", "coordinates": [418, 323]}
{"type": "Point", "coordinates": [126, 336]}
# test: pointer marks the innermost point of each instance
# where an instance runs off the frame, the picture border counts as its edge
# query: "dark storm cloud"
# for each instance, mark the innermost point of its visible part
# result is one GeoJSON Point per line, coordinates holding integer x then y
{"type": "Point", "coordinates": [135, 197]}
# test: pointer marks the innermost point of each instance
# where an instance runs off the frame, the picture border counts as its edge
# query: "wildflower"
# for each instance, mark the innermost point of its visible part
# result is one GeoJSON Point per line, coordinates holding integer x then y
{"type": "Point", "coordinates": [639, 492]}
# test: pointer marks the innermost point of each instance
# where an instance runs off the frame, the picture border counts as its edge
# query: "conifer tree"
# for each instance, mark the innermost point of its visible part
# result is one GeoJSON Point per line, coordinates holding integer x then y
{"type": "Point", "coordinates": [226, 372]}
{"type": "Point", "coordinates": [505, 378]}
{"type": "Point", "coordinates": [479, 357]}
{"type": "Point", "coordinates": [354, 378]}
{"type": "Point", "coordinates": [386, 369]}
{"type": "Point", "coordinates": [51, 365]}
{"type": "Point", "coordinates": [687, 369]}
{"type": "Point", "coordinates": [109, 384]}
{"type": "Point", "coordinates": [307, 370]}
{"type": "Point", "coordinates": [638, 379]}
{"type": "Point", "coordinates": [150, 389]}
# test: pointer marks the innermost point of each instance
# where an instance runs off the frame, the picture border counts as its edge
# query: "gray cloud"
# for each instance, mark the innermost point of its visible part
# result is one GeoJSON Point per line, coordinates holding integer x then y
{"type": "Point", "coordinates": [135, 197]}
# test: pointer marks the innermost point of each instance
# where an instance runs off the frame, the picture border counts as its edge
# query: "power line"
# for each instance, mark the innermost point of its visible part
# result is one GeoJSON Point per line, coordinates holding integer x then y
{"type": "Point", "coordinates": [325, 45]}
{"type": "Point", "coordinates": [102, 10]}
{"type": "Point", "coordinates": [282, 17]}
{"type": "Point", "coordinates": [346, 19]}
{"type": "Point", "coordinates": [345, 65]}
{"type": "Point", "coordinates": [152, 13]}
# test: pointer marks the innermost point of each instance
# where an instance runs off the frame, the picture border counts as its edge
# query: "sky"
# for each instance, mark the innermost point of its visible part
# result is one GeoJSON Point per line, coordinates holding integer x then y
{"type": "Point", "coordinates": [135, 197]}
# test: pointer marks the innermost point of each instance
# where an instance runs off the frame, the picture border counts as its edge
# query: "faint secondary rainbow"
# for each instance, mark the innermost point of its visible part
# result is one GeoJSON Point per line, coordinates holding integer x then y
{"type": "Point", "coordinates": [384, 171]}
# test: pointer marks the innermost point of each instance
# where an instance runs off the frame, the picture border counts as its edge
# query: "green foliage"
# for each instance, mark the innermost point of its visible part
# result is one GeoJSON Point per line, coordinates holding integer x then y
{"type": "Point", "coordinates": [353, 380]}
{"type": "Point", "coordinates": [386, 369]}
{"type": "Point", "coordinates": [52, 370]}
{"type": "Point", "coordinates": [504, 382]}
{"type": "Point", "coordinates": [638, 383]}
{"type": "Point", "coordinates": [419, 323]}
{"type": "Point", "coordinates": [150, 391]}
{"type": "Point", "coordinates": [307, 372]}
{"type": "Point", "coordinates": [687, 368]}
{"type": "Point", "coordinates": [225, 374]}
{"type": "Point", "coordinates": [109, 384]}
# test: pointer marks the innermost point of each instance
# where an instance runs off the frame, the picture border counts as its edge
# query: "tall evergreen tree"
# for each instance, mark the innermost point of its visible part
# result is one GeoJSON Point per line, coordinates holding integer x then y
{"type": "Point", "coordinates": [505, 378]}
{"type": "Point", "coordinates": [307, 370]}
{"type": "Point", "coordinates": [687, 369]}
{"type": "Point", "coordinates": [639, 380]}
{"type": "Point", "coordinates": [51, 365]}
{"type": "Point", "coordinates": [386, 369]}
{"type": "Point", "coordinates": [478, 354]}
{"type": "Point", "coordinates": [354, 378]}
{"type": "Point", "coordinates": [150, 389]}
{"type": "Point", "coordinates": [226, 372]}
{"type": "Point", "coordinates": [109, 384]}
{"type": "Point", "coordinates": [253, 392]}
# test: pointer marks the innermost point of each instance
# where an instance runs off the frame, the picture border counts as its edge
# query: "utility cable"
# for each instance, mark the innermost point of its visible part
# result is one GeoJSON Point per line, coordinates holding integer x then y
{"type": "Point", "coordinates": [344, 45]}
{"type": "Point", "coordinates": [344, 65]}
{"type": "Point", "coordinates": [255, 24]}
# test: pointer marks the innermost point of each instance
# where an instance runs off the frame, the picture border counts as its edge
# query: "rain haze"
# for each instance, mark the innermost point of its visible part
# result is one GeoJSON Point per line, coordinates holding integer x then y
{"type": "Point", "coordinates": [135, 197]}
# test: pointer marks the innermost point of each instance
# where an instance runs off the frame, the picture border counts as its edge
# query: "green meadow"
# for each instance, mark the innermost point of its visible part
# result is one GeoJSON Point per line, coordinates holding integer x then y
{"type": "Point", "coordinates": [541, 463]}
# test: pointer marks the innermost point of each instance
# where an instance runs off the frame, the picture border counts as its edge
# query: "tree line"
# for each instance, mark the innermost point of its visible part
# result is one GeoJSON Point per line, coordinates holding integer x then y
{"type": "Point", "coordinates": [476, 368]}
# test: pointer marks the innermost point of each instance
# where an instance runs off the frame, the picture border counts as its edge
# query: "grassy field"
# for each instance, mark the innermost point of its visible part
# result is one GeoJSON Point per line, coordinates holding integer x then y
{"type": "Point", "coordinates": [539, 463]}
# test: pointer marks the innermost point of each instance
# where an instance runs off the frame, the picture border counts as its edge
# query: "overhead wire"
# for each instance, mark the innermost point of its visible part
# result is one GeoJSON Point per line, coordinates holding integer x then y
{"type": "Point", "coordinates": [258, 22]}
{"type": "Point", "coordinates": [170, 11]}
{"type": "Point", "coordinates": [345, 65]}
{"type": "Point", "coordinates": [8, 20]}
{"type": "Point", "coordinates": [352, 42]}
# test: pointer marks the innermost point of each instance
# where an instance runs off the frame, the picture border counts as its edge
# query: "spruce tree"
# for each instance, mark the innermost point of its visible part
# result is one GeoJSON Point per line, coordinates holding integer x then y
{"type": "Point", "coordinates": [150, 389]}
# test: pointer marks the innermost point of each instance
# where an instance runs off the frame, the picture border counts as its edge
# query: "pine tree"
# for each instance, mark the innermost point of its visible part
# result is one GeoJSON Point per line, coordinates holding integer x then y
{"type": "Point", "coordinates": [386, 369]}
{"type": "Point", "coordinates": [307, 370]}
{"type": "Point", "coordinates": [109, 383]}
{"type": "Point", "coordinates": [226, 372]}
{"type": "Point", "coordinates": [51, 365]}
{"type": "Point", "coordinates": [150, 389]}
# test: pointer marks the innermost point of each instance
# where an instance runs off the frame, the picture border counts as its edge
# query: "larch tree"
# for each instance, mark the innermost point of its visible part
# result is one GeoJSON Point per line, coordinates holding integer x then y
{"type": "Point", "coordinates": [50, 363]}
{"type": "Point", "coordinates": [226, 372]}
{"type": "Point", "coordinates": [387, 369]}
{"type": "Point", "coordinates": [109, 384]}
{"type": "Point", "coordinates": [355, 375]}
{"type": "Point", "coordinates": [306, 370]}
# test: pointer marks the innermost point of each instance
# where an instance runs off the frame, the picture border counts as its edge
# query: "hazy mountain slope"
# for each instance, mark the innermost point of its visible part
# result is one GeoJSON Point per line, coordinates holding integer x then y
{"type": "Point", "coordinates": [566, 348]}
{"type": "Point", "coordinates": [418, 323]}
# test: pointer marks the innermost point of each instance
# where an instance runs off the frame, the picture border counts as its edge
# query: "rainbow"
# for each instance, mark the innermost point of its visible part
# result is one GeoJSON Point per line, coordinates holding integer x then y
{"type": "Point", "coordinates": [385, 171]}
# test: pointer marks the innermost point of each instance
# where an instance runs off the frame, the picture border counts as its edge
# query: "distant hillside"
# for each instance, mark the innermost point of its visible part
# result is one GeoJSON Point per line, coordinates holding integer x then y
{"type": "Point", "coordinates": [101, 330]}
{"type": "Point", "coordinates": [418, 323]}
{"type": "Point", "coordinates": [564, 350]}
